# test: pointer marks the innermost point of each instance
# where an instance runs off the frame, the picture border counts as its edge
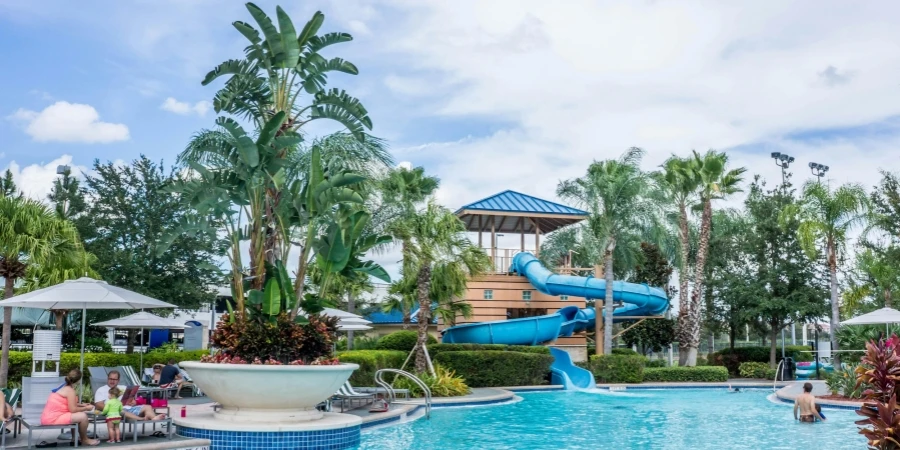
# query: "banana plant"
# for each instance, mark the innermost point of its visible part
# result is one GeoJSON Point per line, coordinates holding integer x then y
{"type": "Point", "coordinates": [280, 68]}
{"type": "Point", "coordinates": [341, 249]}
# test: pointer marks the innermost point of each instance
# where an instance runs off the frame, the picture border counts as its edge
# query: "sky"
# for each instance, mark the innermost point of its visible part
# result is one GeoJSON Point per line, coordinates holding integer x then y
{"type": "Point", "coordinates": [487, 95]}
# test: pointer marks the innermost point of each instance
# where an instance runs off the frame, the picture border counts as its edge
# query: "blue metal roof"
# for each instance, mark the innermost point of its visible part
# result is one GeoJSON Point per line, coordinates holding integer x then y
{"type": "Point", "coordinates": [512, 201]}
{"type": "Point", "coordinates": [396, 316]}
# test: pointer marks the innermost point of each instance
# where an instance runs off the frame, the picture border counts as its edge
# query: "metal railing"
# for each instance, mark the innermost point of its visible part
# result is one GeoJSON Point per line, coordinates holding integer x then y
{"type": "Point", "coordinates": [389, 390]}
{"type": "Point", "coordinates": [777, 372]}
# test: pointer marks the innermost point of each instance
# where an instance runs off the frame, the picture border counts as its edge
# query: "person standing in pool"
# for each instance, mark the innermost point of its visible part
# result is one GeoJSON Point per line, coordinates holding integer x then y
{"type": "Point", "coordinates": [806, 403]}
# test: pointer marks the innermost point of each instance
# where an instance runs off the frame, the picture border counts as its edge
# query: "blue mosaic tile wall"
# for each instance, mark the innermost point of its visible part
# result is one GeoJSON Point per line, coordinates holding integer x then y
{"type": "Point", "coordinates": [338, 439]}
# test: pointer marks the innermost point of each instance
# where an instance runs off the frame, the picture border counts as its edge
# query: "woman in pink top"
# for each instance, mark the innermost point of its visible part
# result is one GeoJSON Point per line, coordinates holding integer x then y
{"type": "Point", "coordinates": [63, 408]}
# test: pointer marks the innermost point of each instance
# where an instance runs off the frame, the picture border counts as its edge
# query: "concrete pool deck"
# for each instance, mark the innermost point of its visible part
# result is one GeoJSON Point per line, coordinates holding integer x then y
{"type": "Point", "coordinates": [415, 407]}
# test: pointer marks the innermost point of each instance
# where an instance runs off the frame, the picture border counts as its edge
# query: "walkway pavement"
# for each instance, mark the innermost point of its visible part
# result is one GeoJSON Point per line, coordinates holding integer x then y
{"type": "Point", "coordinates": [790, 393]}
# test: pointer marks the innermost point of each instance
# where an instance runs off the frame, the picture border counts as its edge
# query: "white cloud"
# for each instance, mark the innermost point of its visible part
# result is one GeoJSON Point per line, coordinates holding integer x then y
{"type": "Point", "coordinates": [69, 122]}
{"type": "Point", "coordinates": [575, 82]}
{"type": "Point", "coordinates": [184, 108]}
{"type": "Point", "coordinates": [358, 27]}
{"type": "Point", "coordinates": [36, 180]}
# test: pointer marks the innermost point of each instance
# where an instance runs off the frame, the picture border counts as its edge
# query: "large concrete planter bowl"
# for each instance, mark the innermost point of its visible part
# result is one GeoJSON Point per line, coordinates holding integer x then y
{"type": "Point", "coordinates": [268, 394]}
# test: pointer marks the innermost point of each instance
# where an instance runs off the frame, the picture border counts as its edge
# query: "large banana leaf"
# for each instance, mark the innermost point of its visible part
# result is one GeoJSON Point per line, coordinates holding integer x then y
{"type": "Point", "coordinates": [288, 38]}
{"type": "Point", "coordinates": [272, 298]}
{"type": "Point", "coordinates": [273, 38]}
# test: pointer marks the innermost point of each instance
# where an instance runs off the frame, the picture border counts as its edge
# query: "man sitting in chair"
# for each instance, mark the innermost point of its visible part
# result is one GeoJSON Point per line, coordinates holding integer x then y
{"type": "Point", "coordinates": [171, 378]}
{"type": "Point", "coordinates": [132, 410]}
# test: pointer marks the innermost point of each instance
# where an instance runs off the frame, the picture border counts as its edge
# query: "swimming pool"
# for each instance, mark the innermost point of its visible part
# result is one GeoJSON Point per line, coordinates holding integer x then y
{"type": "Point", "coordinates": [664, 418]}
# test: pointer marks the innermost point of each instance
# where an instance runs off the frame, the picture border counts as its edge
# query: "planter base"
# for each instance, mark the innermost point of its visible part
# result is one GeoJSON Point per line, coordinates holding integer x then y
{"type": "Point", "coordinates": [332, 430]}
{"type": "Point", "coordinates": [267, 416]}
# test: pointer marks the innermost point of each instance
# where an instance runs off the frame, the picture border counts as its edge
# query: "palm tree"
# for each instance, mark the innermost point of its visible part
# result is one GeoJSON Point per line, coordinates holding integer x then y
{"type": "Point", "coordinates": [881, 278]}
{"type": "Point", "coordinates": [436, 245]}
{"type": "Point", "coordinates": [680, 184]}
{"type": "Point", "coordinates": [617, 195]}
{"type": "Point", "coordinates": [825, 218]}
{"type": "Point", "coordinates": [715, 182]}
{"type": "Point", "coordinates": [32, 238]}
{"type": "Point", "coordinates": [282, 69]}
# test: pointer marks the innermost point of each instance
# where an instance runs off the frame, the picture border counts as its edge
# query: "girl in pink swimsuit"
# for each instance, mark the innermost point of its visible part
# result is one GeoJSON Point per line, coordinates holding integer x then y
{"type": "Point", "coordinates": [63, 408]}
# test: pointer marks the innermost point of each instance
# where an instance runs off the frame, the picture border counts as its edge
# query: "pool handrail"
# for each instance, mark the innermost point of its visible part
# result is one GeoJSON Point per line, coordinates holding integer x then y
{"type": "Point", "coordinates": [389, 390]}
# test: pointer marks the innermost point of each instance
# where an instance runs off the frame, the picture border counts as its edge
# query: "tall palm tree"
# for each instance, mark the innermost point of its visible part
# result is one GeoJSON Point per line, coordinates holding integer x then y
{"type": "Point", "coordinates": [617, 195]}
{"type": "Point", "coordinates": [679, 183]}
{"type": "Point", "coordinates": [32, 237]}
{"type": "Point", "coordinates": [826, 217]}
{"type": "Point", "coordinates": [715, 182]}
{"type": "Point", "coordinates": [436, 245]}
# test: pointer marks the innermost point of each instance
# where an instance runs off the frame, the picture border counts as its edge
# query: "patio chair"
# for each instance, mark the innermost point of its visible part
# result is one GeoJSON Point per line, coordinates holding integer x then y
{"type": "Point", "coordinates": [12, 397]}
{"type": "Point", "coordinates": [346, 393]}
{"type": "Point", "coordinates": [35, 392]}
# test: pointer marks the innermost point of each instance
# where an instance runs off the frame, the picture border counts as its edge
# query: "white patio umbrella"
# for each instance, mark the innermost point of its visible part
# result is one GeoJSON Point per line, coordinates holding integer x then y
{"type": "Point", "coordinates": [142, 320]}
{"type": "Point", "coordinates": [886, 316]}
{"type": "Point", "coordinates": [353, 327]}
{"type": "Point", "coordinates": [84, 294]}
{"type": "Point", "coordinates": [339, 314]}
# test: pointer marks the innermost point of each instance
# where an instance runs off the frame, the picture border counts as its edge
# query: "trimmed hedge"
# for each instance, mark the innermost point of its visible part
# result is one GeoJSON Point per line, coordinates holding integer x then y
{"type": "Point", "coordinates": [20, 362]}
{"type": "Point", "coordinates": [403, 341]}
{"type": "Point", "coordinates": [618, 368]}
{"type": "Point", "coordinates": [437, 349]}
{"type": "Point", "coordinates": [753, 369]}
{"type": "Point", "coordinates": [704, 374]}
{"type": "Point", "coordinates": [488, 368]}
{"type": "Point", "coordinates": [732, 359]}
{"type": "Point", "coordinates": [370, 361]}
{"type": "Point", "coordinates": [657, 363]}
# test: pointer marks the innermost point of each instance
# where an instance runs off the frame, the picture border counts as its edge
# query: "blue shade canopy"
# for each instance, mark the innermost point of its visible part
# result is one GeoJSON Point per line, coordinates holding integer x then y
{"type": "Point", "coordinates": [511, 211]}
{"type": "Point", "coordinates": [29, 317]}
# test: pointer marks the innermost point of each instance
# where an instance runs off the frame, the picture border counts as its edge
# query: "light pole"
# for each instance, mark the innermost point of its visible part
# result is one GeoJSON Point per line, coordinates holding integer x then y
{"type": "Point", "coordinates": [784, 161]}
{"type": "Point", "coordinates": [818, 170]}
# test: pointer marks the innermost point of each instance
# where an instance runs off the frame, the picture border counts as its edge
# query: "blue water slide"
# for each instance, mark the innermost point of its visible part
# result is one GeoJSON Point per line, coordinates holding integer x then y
{"type": "Point", "coordinates": [565, 373]}
{"type": "Point", "coordinates": [638, 299]}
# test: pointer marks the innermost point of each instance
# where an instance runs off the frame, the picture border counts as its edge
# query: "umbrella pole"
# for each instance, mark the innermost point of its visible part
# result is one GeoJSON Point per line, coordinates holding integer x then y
{"type": "Point", "coordinates": [142, 351]}
{"type": "Point", "coordinates": [83, 321]}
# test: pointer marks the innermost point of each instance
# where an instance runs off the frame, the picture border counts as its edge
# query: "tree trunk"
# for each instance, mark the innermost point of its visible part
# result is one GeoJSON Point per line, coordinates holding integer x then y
{"type": "Point", "coordinates": [684, 306]}
{"type": "Point", "coordinates": [608, 301]}
{"type": "Point", "coordinates": [60, 316]}
{"type": "Point", "coordinates": [407, 320]}
{"type": "Point", "coordinates": [351, 306]}
{"type": "Point", "coordinates": [773, 349]}
{"type": "Point", "coordinates": [7, 333]}
{"type": "Point", "coordinates": [129, 346]}
{"type": "Point", "coordinates": [696, 294]}
{"type": "Point", "coordinates": [732, 336]}
{"type": "Point", "coordinates": [423, 288]}
{"type": "Point", "coordinates": [835, 305]}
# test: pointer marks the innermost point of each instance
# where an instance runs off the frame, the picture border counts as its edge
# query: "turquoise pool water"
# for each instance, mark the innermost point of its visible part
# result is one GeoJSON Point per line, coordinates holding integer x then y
{"type": "Point", "coordinates": [659, 419]}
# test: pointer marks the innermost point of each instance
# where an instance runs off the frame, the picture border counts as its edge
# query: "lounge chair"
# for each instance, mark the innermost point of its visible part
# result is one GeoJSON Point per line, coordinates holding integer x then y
{"type": "Point", "coordinates": [346, 393]}
{"type": "Point", "coordinates": [35, 393]}
{"type": "Point", "coordinates": [12, 397]}
{"type": "Point", "coordinates": [381, 391]}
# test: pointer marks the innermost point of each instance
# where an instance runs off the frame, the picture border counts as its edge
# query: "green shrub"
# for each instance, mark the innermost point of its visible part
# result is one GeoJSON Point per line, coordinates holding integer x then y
{"type": "Point", "coordinates": [359, 343]}
{"type": "Point", "coordinates": [701, 361]}
{"type": "Point", "coordinates": [370, 361]}
{"type": "Point", "coordinates": [623, 351]}
{"type": "Point", "coordinates": [497, 368]}
{"type": "Point", "coordinates": [843, 382]}
{"type": "Point", "coordinates": [705, 374]}
{"type": "Point", "coordinates": [771, 373]}
{"type": "Point", "coordinates": [403, 341]}
{"type": "Point", "coordinates": [732, 358]}
{"type": "Point", "coordinates": [444, 383]}
{"type": "Point", "coordinates": [436, 349]}
{"type": "Point", "coordinates": [618, 368]}
{"type": "Point", "coordinates": [658, 363]}
{"type": "Point", "coordinates": [753, 369]}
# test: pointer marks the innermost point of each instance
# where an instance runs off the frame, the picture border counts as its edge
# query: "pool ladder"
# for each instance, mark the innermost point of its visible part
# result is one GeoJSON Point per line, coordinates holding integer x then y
{"type": "Point", "coordinates": [389, 390]}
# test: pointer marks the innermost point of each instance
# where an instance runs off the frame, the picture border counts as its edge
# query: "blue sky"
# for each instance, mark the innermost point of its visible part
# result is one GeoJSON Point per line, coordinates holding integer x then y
{"type": "Point", "coordinates": [487, 95]}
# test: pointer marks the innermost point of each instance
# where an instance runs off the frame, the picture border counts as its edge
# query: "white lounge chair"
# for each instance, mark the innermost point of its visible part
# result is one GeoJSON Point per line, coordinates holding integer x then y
{"type": "Point", "coordinates": [346, 393]}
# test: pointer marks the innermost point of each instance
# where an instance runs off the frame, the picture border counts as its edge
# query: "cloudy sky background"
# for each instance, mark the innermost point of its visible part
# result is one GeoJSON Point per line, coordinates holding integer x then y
{"type": "Point", "coordinates": [486, 95]}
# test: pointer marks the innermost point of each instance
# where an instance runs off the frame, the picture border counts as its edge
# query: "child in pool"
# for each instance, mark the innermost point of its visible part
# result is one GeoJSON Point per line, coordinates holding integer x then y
{"type": "Point", "coordinates": [113, 412]}
{"type": "Point", "coordinates": [819, 410]}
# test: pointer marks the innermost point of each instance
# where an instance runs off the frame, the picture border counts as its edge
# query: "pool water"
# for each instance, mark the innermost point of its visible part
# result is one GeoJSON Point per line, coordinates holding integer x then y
{"type": "Point", "coordinates": [659, 419]}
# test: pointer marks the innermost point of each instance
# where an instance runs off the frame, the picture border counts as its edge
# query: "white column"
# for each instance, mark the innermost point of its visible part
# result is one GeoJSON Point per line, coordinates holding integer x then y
{"type": "Point", "coordinates": [804, 334]}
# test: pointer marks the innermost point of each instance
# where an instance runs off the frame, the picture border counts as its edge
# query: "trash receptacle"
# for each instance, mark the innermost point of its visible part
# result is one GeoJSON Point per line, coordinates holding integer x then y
{"type": "Point", "coordinates": [787, 370]}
